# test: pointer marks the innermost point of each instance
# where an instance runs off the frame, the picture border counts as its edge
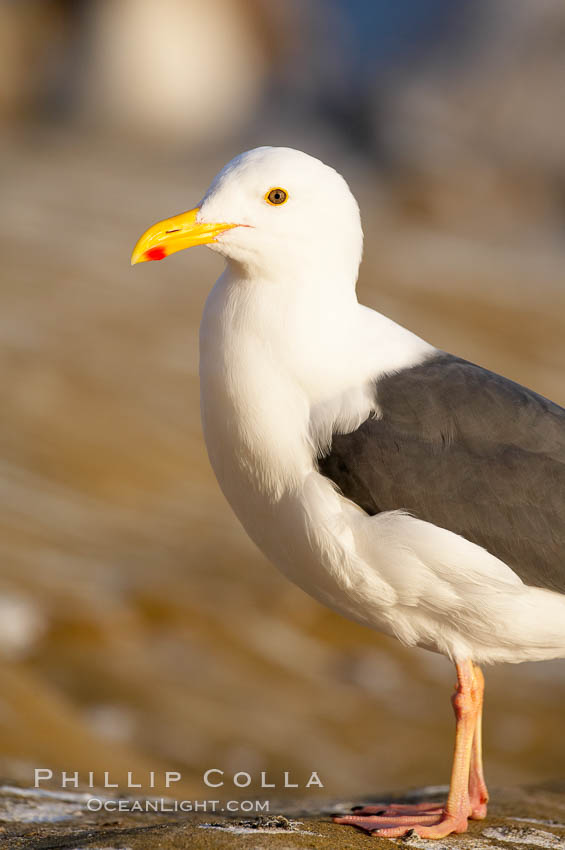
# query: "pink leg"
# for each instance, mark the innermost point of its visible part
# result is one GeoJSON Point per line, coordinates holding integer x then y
{"type": "Point", "coordinates": [478, 791]}
{"type": "Point", "coordinates": [427, 820]}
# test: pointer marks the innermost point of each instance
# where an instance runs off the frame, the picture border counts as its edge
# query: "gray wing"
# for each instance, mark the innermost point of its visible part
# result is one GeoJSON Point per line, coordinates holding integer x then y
{"type": "Point", "coordinates": [467, 450]}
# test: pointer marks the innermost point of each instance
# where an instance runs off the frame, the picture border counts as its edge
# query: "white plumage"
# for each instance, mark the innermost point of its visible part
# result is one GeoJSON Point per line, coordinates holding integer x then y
{"type": "Point", "coordinates": [289, 358]}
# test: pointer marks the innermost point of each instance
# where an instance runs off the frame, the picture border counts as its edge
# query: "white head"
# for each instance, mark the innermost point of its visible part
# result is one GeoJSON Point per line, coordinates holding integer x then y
{"type": "Point", "coordinates": [270, 210]}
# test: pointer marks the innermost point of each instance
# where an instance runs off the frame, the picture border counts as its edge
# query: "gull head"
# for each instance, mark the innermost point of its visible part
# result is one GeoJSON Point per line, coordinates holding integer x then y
{"type": "Point", "coordinates": [270, 211]}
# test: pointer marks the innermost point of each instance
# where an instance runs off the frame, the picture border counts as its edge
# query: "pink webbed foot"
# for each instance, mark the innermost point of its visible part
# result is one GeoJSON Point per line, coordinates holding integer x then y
{"type": "Point", "coordinates": [392, 815]}
{"type": "Point", "coordinates": [399, 809]}
{"type": "Point", "coordinates": [431, 823]}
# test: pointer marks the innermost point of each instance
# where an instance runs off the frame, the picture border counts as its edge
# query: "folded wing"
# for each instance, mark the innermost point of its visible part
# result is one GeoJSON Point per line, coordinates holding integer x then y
{"type": "Point", "coordinates": [467, 450]}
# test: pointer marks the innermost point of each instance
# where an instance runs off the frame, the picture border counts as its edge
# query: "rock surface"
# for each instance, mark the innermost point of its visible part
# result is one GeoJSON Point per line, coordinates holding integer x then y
{"type": "Point", "coordinates": [48, 820]}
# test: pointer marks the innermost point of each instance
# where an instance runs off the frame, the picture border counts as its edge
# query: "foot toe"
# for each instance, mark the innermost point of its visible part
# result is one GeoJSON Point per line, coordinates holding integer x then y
{"type": "Point", "coordinates": [436, 824]}
{"type": "Point", "coordinates": [382, 824]}
{"type": "Point", "coordinates": [398, 809]}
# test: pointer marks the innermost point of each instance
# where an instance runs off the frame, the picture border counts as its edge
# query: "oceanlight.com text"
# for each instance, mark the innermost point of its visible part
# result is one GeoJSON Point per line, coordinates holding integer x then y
{"type": "Point", "coordinates": [161, 805]}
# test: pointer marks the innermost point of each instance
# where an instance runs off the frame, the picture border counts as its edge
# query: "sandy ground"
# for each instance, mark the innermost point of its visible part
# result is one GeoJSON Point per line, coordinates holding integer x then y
{"type": "Point", "coordinates": [531, 818]}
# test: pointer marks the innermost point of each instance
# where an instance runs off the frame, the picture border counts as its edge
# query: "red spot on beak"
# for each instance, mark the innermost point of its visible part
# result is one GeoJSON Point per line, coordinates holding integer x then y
{"type": "Point", "coordinates": [157, 253]}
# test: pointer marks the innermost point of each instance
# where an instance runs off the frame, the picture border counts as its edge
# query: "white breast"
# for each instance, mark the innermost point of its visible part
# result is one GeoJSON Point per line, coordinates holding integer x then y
{"type": "Point", "coordinates": [272, 391]}
{"type": "Point", "coordinates": [264, 406]}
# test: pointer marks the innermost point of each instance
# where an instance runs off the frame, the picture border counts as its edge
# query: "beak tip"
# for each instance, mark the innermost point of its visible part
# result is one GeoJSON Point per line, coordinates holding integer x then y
{"type": "Point", "coordinates": [138, 257]}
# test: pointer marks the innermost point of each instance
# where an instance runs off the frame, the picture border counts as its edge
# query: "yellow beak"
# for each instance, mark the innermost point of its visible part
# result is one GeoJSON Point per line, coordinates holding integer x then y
{"type": "Point", "coordinates": [174, 234]}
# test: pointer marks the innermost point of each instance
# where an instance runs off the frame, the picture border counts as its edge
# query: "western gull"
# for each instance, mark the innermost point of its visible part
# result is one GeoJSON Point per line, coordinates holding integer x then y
{"type": "Point", "coordinates": [406, 488]}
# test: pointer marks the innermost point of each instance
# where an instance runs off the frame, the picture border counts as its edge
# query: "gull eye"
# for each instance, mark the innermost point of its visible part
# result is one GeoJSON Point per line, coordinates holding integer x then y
{"type": "Point", "coordinates": [276, 196]}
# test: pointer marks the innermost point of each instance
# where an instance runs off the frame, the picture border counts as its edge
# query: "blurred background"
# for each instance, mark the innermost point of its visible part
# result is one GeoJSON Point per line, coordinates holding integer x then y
{"type": "Point", "coordinates": [139, 628]}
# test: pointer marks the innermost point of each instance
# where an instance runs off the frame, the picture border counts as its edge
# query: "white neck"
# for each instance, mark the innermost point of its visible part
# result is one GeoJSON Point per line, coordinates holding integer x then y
{"type": "Point", "coordinates": [282, 364]}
